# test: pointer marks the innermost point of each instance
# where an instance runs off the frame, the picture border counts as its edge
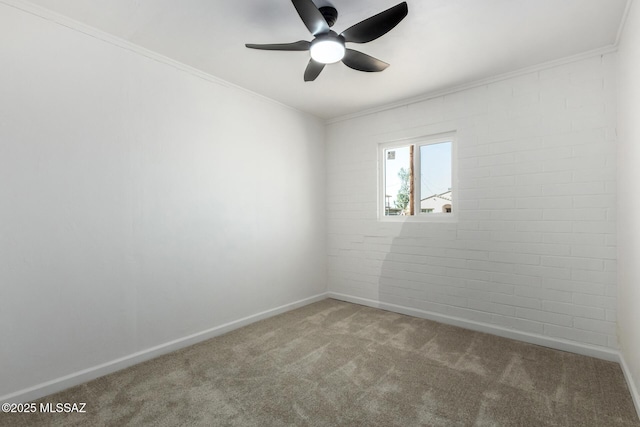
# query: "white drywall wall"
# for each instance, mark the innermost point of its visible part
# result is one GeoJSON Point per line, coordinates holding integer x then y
{"type": "Point", "coordinates": [629, 200]}
{"type": "Point", "coordinates": [139, 203]}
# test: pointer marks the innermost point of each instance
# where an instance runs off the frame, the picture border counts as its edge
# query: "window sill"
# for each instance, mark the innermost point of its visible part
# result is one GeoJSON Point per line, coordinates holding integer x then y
{"type": "Point", "coordinates": [448, 218]}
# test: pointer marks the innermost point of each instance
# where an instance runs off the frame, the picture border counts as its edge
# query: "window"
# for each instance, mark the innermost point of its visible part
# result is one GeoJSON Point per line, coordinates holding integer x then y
{"type": "Point", "coordinates": [417, 178]}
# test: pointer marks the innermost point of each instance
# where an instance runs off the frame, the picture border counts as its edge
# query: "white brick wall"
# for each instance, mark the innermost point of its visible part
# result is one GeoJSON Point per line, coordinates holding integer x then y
{"type": "Point", "coordinates": [534, 246]}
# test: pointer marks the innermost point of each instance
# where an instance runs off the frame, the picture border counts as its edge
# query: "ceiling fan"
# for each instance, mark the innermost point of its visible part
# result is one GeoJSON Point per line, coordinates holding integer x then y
{"type": "Point", "coordinates": [329, 47]}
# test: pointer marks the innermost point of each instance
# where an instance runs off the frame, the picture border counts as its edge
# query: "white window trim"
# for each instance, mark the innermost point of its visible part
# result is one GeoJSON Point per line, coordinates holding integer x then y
{"type": "Point", "coordinates": [418, 141]}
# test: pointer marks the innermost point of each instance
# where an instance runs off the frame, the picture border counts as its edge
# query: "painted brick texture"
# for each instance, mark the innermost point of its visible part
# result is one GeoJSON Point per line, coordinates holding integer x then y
{"type": "Point", "coordinates": [534, 246]}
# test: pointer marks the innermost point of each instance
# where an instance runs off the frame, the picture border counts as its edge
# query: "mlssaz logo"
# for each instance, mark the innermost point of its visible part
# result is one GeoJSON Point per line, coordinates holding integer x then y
{"type": "Point", "coordinates": [63, 407]}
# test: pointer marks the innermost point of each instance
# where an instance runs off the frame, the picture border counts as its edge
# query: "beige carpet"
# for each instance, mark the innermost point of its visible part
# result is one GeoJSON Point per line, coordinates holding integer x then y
{"type": "Point", "coordinates": [334, 363]}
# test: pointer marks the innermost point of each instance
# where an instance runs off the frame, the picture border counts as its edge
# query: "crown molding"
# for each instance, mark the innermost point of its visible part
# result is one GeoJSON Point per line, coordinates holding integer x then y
{"type": "Point", "coordinates": [72, 24]}
{"type": "Point", "coordinates": [478, 83]}
{"type": "Point", "coordinates": [103, 36]}
{"type": "Point", "coordinates": [623, 22]}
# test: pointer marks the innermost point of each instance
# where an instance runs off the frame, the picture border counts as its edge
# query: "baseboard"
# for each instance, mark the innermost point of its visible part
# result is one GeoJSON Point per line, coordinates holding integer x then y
{"type": "Point", "coordinates": [631, 383]}
{"type": "Point", "coordinates": [59, 384]}
{"type": "Point", "coordinates": [555, 343]}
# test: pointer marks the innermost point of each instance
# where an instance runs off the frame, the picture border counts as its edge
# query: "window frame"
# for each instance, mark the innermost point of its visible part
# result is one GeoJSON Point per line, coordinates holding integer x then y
{"type": "Point", "coordinates": [418, 142]}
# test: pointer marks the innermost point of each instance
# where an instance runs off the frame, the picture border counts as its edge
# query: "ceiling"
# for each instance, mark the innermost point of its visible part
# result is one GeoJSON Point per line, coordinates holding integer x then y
{"type": "Point", "coordinates": [440, 44]}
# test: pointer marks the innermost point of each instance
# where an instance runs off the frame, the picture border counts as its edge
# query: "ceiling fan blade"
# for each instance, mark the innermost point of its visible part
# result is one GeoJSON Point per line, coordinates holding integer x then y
{"type": "Point", "coordinates": [311, 16]}
{"type": "Point", "coordinates": [300, 45]}
{"type": "Point", "coordinates": [363, 62]}
{"type": "Point", "coordinates": [314, 68]}
{"type": "Point", "coordinates": [376, 26]}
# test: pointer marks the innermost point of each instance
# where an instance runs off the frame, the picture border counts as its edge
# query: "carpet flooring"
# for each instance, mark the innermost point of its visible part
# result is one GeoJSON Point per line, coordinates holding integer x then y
{"type": "Point", "coordinates": [338, 364]}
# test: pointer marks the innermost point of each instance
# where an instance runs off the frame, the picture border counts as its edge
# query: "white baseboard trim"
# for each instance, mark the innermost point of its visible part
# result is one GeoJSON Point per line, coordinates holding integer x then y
{"type": "Point", "coordinates": [59, 384]}
{"type": "Point", "coordinates": [555, 343]}
{"type": "Point", "coordinates": [631, 383]}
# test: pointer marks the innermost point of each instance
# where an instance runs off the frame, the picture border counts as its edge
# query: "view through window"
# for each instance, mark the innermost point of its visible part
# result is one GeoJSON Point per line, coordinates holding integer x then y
{"type": "Point", "coordinates": [418, 178]}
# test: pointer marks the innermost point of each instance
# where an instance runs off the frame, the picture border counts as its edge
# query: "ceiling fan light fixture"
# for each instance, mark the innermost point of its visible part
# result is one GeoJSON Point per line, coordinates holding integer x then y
{"type": "Point", "coordinates": [327, 49]}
